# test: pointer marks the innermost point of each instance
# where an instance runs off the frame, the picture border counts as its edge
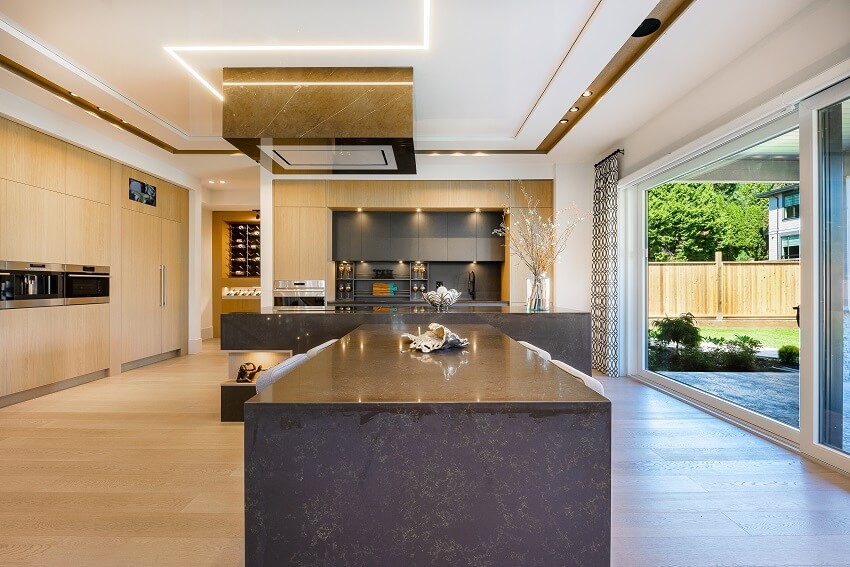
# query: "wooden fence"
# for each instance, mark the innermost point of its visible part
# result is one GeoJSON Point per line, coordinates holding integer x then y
{"type": "Point", "coordinates": [721, 289]}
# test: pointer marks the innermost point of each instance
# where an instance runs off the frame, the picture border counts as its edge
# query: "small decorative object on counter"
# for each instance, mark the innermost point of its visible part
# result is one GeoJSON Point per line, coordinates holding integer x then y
{"type": "Point", "coordinates": [435, 338]}
{"type": "Point", "coordinates": [248, 372]}
{"type": "Point", "coordinates": [442, 299]}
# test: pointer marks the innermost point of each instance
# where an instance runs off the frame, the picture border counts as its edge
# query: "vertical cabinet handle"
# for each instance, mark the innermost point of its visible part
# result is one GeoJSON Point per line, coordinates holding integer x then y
{"type": "Point", "coordinates": [164, 285]}
{"type": "Point", "coordinates": [161, 284]}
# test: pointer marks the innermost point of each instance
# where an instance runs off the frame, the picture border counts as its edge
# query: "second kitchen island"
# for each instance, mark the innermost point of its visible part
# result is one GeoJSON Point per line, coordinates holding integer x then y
{"type": "Point", "coordinates": [564, 333]}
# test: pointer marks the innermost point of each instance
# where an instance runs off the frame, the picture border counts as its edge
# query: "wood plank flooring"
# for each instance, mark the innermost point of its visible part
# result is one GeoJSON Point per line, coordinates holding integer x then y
{"type": "Point", "coordinates": [691, 489]}
{"type": "Point", "coordinates": [136, 470]}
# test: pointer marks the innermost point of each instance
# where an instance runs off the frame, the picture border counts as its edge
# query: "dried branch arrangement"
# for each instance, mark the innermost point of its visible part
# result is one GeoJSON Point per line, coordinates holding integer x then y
{"type": "Point", "coordinates": [536, 240]}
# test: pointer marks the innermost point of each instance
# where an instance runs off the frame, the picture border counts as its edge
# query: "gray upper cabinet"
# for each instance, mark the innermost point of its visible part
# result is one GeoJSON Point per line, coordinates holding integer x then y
{"type": "Point", "coordinates": [404, 240]}
{"type": "Point", "coordinates": [489, 247]}
{"type": "Point", "coordinates": [460, 234]}
{"type": "Point", "coordinates": [377, 232]}
{"type": "Point", "coordinates": [429, 237]}
{"type": "Point", "coordinates": [433, 234]}
{"type": "Point", "coordinates": [346, 236]}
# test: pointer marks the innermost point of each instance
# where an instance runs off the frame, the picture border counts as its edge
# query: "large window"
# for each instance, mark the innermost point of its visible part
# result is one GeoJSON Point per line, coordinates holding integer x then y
{"type": "Point", "coordinates": [720, 307]}
{"type": "Point", "coordinates": [834, 174]}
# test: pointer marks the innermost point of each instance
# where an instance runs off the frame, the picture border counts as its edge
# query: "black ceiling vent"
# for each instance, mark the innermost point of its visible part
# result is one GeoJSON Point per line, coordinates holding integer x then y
{"type": "Point", "coordinates": [646, 27]}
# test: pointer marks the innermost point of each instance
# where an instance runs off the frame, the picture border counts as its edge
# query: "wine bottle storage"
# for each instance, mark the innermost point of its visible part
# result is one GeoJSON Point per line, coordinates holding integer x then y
{"type": "Point", "coordinates": [243, 252]}
{"type": "Point", "coordinates": [380, 281]}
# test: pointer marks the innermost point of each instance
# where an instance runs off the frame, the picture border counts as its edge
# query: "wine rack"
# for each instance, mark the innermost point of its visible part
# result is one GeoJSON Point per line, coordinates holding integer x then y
{"type": "Point", "coordinates": [244, 250]}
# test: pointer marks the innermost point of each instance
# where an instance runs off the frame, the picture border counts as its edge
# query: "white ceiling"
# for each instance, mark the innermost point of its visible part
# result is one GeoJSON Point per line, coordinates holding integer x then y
{"type": "Point", "coordinates": [496, 74]}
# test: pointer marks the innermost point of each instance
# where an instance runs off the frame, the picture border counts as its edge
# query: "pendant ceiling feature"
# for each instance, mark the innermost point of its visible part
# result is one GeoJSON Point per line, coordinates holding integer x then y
{"type": "Point", "coordinates": [338, 120]}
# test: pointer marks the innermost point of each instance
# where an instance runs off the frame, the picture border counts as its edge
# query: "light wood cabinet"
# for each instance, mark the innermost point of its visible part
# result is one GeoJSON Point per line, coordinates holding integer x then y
{"type": "Point", "coordinates": [153, 299]}
{"type": "Point", "coordinates": [314, 248]}
{"type": "Point", "coordinates": [86, 232]}
{"type": "Point", "coordinates": [32, 221]}
{"type": "Point", "coordinates": [86, 338]}
{"type": "Point", "coordinates": [33, 158]}
{"type": "Point", "coordinates": [287, 243]}
{"type": "Point", "coordinates": [4, 144]}
{"type": "Point", "coordinates": [45, 345]}
{"type": "Point", "coordinates": [33, 348]}
{"type": "Point", "coordinates": [173, 306]}
{"type": "Point", "coordinates": [306, 193]}
{"type": "Point", "coordinates": [301, 248]}
{"type": "Point", "coordinates": [87, 175]}
{"type": "Point", "coordinates": [141, 250]}
{"type": "Point", "coordinates": [172, 202]}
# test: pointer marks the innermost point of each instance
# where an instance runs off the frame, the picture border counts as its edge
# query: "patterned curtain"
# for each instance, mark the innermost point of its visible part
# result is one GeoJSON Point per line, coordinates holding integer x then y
{"type": "Point", "coordinates": [605, 327]}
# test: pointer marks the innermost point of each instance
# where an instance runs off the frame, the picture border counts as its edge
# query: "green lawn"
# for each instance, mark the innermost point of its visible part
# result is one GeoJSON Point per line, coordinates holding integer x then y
{"type": "Point", "coordinates": [770, 338]}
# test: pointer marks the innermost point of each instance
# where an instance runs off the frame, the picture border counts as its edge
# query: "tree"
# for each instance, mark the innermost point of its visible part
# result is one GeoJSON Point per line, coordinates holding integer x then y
{"type": "Point", "coordinates": [690, 221]}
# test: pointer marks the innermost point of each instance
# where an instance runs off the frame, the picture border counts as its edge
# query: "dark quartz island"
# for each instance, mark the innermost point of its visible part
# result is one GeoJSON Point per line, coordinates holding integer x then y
{"type": "Point", "coordinates": [371, 454]}
{"type": "Point", "coordinates": [564, 333]}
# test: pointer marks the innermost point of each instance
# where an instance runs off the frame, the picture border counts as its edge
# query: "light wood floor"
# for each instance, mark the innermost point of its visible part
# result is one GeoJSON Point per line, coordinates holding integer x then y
{"type": "Point", "coordinates": [136, 470]}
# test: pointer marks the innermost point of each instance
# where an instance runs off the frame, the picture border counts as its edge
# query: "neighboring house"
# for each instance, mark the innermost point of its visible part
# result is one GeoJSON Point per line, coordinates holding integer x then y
{"type": "Point", "coordinates": [783, 222]}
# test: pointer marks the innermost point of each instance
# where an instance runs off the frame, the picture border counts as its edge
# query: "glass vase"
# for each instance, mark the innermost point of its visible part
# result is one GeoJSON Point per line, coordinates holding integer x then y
{"type": "Point", "coordinates": [537, 288]}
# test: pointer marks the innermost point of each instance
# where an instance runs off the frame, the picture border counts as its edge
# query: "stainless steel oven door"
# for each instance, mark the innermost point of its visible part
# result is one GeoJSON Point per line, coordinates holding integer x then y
{"type": "Point", "coordinates": [86, 284]}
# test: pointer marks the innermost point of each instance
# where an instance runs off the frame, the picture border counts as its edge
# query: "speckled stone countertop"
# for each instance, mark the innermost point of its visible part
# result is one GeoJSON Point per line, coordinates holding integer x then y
{"type": "Point", "coordinates": [373, 364]}
{"type": "Point", "coordinates": [370, 454]}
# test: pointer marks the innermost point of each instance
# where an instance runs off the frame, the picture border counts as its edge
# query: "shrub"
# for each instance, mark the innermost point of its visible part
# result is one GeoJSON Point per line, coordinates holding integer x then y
{"type": "Point", "coordinates": [680, 330]}
{"type": "Point", "coordinates": [789, 354]}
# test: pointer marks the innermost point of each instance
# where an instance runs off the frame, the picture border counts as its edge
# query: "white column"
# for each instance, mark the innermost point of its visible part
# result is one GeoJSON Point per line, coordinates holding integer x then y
{"type": "Point", "coordinates": [195, 251]}
{"type": "Point", "coordinates": [266, 238]}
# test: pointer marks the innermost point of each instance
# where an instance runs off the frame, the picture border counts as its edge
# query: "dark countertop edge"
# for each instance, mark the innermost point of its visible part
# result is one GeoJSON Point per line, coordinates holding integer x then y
{"type": "Point", "coordinates": [466, 308]}
{"type": "Point", "coordinates": [601, 404]}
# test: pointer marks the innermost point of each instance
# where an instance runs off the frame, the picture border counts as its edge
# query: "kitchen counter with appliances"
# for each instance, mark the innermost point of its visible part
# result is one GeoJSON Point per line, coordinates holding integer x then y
{"type": "Point", "coordinates": [497, 452]}
{"type": "Point", "coordinates": [564, 333]}
{"type": "Point", "coordinates": [299, 295]}
{"type": "Point", "coordinates": [34, 284]}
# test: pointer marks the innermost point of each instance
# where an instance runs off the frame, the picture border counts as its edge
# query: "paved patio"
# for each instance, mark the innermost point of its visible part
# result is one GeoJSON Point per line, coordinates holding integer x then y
{"type": "Point", "coordinates": [773, 394]}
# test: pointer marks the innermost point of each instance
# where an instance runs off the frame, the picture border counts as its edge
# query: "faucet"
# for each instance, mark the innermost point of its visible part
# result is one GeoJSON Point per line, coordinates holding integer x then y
{"type": "Point", "coordinates": [470, 285]}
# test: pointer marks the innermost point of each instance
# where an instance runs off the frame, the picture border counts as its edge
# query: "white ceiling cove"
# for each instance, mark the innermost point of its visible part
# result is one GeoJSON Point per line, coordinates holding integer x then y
{"type": "Point", "coordinates": [488, 74]}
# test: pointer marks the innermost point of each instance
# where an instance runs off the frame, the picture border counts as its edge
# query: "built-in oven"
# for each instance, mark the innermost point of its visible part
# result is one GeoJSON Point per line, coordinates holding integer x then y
{"type": "Point", "coordinates": [86, 284]}
{"type": "Point", "coordinates": [299, 294]}
{"type": "Point", "coordinates": [30, 284]}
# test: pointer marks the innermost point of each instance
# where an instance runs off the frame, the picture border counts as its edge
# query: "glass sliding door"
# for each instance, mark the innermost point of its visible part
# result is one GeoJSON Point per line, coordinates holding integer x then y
{"type": "Point", "coordinates": [833, 171]}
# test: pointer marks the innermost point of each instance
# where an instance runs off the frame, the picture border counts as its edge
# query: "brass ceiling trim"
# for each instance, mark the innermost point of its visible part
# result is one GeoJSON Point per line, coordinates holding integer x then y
{"type": "Point", "coordinates": [78, 101]}
{"type": "Point", "coordinates": [667, 11]}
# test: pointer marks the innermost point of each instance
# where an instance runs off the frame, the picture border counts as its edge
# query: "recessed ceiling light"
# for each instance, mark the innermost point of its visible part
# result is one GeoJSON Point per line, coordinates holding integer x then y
{"type": "Point", "coordinates": [647, 27]}
{"type": "Point", "coordinates": [418, 210]}
{"type": "Point", "coordinates": [563, 121]}
{"type": "Point", "coordinates": [359, 209]}
{"type": "Point", "coordinates": [211, 181]}
{"type": "Point", "coordinates": [221, 181]}
{"type": "Point", "coordinates": [574, 109]}
{"type": "Point", "coordinates": [477, 210]}
{"type": "Point", "coordinates": [586, 93]}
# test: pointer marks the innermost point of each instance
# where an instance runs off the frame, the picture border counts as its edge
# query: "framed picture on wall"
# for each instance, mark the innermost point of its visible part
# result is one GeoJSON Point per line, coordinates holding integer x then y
{"type": "Point", "coordinates": [144, 193]}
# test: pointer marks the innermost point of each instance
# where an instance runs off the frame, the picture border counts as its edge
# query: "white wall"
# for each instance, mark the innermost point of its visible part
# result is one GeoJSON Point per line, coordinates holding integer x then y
{"type": "Point", "coordinates": [205, 296]}
{"type": "Point", "coordinates": [813, 44]}
{"type": "Point", "coordinates": [574, 184]}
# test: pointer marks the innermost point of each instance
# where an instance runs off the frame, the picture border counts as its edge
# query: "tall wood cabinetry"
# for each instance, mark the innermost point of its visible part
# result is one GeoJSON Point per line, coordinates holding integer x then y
{"type": "Point", "coordinates": [54, 207]}
{"type": "Point", "coordinates": [153, 282]}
